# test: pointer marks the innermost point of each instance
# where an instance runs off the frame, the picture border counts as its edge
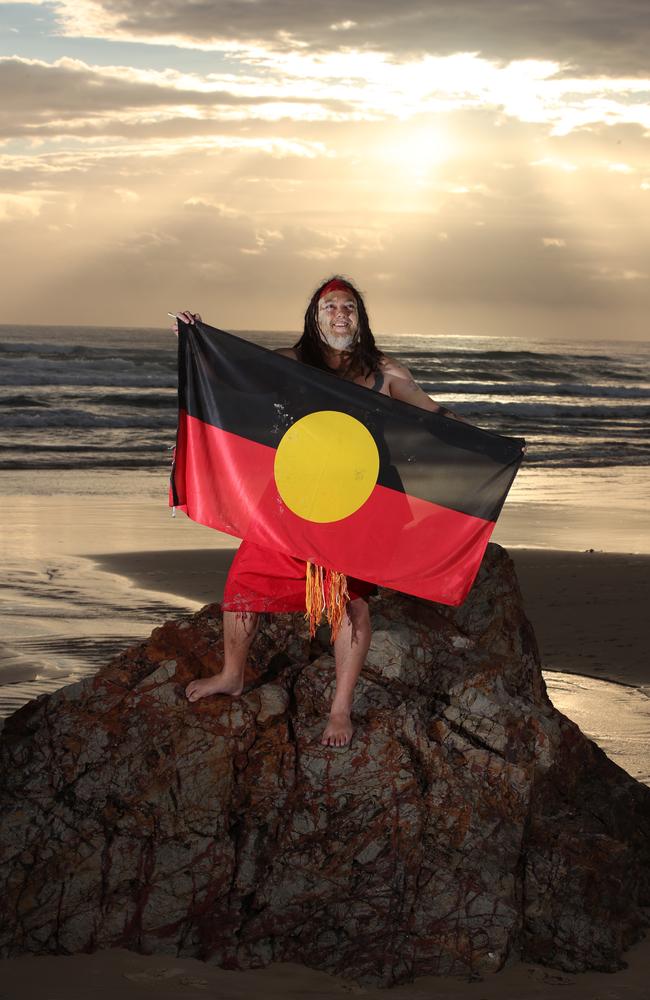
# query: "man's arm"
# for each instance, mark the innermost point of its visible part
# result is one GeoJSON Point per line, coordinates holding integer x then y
{"type": "Point", "coordinates": [402, 385]}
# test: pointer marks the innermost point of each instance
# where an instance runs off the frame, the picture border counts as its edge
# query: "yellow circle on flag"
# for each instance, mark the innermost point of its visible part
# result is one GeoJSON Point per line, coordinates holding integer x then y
{"type": "Point", "coordinates": [326, 466]}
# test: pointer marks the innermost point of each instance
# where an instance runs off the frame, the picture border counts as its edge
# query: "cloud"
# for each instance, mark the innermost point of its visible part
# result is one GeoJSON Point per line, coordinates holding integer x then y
{"type": "Point", "coordinates": [70, 98]}
{"type": "Point", "coordinates": [464, 192]}
{"type": "Point", "coordinates": [20, 206]}
{"type": "Point", "coordinates": [69, 93]}
{"type": "Point", "coordinates": [221, 231]}
{"type": "Point", "coordinates": [593, 36]}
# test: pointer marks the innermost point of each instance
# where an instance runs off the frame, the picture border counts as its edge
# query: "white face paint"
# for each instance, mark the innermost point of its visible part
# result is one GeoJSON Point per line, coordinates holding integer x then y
{"type": "Point", "coordinates": [338, 319]}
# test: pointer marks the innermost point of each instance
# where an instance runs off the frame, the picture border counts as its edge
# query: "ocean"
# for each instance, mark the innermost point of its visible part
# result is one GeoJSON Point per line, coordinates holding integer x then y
{"type": "Point", "coordinates": [88, 420]}
{"type": "Point", "coordinates": [94, 398]}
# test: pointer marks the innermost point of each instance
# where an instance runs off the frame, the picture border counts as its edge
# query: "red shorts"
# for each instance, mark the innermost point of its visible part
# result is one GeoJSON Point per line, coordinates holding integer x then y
{"type": "Point", "coordinates": [263, 580]}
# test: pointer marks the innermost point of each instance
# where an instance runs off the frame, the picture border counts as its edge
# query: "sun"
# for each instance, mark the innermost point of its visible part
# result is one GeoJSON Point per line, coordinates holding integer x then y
{"type": "Point", "coordinates": [416, 152]}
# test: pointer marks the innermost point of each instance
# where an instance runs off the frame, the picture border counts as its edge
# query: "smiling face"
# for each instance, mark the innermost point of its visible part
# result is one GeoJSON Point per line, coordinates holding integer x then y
{"type": "Point", "coordinates": [338, 318]}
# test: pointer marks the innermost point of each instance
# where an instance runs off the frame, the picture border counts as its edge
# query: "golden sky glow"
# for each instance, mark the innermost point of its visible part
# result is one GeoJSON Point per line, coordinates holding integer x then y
{"type": "Point", "coordinates": [473, 174]}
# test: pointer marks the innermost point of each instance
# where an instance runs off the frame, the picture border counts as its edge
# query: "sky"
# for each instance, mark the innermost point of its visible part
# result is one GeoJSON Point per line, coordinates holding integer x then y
{"type": "Point", "coordinates": [475, 166]}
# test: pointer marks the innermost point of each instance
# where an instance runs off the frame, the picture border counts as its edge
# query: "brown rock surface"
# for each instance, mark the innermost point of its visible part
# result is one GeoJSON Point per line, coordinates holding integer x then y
{"type": "Point", "coordinates": [468, 825]}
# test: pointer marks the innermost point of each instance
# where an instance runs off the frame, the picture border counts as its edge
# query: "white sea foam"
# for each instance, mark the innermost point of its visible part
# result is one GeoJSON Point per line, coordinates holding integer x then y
{"type": "Point", "coordinates": [110, 394]}
{"type": "Point", "coordinates": [538, 388]}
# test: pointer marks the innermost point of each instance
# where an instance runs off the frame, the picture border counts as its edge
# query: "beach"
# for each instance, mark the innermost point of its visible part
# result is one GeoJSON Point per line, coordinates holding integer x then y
{"type": "Point", "coordinates": [86, 576]}
{"type": "Point", "coordinates": [107, 975]}
{"type": "Point", "coordinates": [93, 562]}
{"type": "Point", "coordinates": [588, 612]}
{"type": "Point", "coordinates": [587, 608]}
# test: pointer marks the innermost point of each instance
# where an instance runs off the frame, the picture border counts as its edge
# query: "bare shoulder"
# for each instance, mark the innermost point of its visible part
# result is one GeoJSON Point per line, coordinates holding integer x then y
{"type": "Point", "coordinates": [286, 352]}
{"type": "Point", "coordinates": [395, 368]}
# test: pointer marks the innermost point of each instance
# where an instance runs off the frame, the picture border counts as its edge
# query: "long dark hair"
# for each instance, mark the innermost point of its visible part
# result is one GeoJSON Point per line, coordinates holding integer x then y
{"type": "Point", "coordinates": [363, 357]}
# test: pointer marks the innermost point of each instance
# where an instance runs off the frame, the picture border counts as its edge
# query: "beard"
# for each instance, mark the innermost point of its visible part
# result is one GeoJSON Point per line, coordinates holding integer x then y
{"type": "Point", "coordinates": [339, 341]}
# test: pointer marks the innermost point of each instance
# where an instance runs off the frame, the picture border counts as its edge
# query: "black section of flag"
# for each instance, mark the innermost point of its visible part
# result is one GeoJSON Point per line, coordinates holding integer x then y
{"type": "Point", "coordinates": [253, 392]}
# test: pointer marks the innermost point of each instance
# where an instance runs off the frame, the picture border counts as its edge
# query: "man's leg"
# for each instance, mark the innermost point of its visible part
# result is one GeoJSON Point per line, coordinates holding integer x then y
{"type": "Point", "coordinates": [350, 650]}
{"type": "Point", "coordinates": [239, 630]}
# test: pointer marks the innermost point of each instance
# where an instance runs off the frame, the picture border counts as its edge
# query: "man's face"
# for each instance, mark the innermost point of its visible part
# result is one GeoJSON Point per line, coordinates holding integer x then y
{"type": "Point", "coordinates": [338, 318]}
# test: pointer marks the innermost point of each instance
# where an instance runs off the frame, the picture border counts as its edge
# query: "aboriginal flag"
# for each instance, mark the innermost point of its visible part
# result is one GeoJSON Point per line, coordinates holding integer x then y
{"type": "Point", "coordinates": [303, 462]}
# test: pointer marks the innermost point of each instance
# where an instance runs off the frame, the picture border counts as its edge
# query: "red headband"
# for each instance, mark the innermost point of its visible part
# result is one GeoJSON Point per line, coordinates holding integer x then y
{"type": "Point", "coordinates": [336, 285]}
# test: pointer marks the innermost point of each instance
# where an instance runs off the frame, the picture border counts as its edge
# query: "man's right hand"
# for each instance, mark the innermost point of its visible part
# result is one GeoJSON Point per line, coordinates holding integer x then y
{"type": "Point", "coordinates": [187, 317]}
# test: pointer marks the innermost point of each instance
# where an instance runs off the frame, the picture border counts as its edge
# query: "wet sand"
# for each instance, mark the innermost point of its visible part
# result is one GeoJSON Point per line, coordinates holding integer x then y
{"type": "Point", "coordinates": [107, 975]}
{"type": "Point", "coordinates": [588, 609]}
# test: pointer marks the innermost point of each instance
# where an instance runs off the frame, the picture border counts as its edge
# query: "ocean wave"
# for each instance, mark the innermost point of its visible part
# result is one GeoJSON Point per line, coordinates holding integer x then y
{"type": "Point", "coordinates": [528, 410]}
{"type": "Point", "coordinates": [23, 400]}
{"type": "Point", "coordinates": [474, 371]}
{"type": "Point", "coordinates": [90, 447]}
{"type": "Point", "coordinates": [139, 398]}
{"type": "Point", "coordinates": [18, 418]}
{"type": "Point", "coordinates": [127, 354]}
{"type": "Point", "coordinates": [143, 399]}
{"type": "Point", "coordinates": [30, 378]}
{"type": "Point", "coordinates": [94, 462]}
{"type": "Point", "coordinates": [27, 349]}
{"type": "Point", "coordinates": [106, 399]}
{"type": "Point", "coordinates": [79, 418]}
{"type": "Point", "coordinates": [536, 458]}
{"type": "Point", "coordinates": [537, 389]}
{"type": "Point", "coordinates": [547, 376]}
{"type": "Point", "coordinates": [139, 371]}
{"type": "Point", "coordinates": [500, 354]}
{"type": "Point", "coordinates": [156, 400]}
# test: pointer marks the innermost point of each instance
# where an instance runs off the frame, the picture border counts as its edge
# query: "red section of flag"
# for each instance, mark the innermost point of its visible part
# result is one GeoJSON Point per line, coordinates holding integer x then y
{"type": "Point", "coordinates": [394, 539]}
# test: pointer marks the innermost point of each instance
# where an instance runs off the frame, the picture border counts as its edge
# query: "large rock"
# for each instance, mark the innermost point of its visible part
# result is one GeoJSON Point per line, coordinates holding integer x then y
{"type": "Point", "coordinates": [469, 824]}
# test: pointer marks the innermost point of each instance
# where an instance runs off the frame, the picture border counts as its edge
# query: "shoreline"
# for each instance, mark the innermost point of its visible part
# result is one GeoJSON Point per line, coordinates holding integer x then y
{"type": "Point", "coordinates": [131, 975]}
{"type": "Point", "coordinates": [587, 608]}
{"type": "Point", "coordinates": [578, 602]}
{"type": "Point", "coordinates": [70, 616]}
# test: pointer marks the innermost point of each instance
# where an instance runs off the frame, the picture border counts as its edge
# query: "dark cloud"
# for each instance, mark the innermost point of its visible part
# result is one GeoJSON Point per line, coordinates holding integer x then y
{"type": "Point", "coordinates": [68, 90]}
{"type": "Point", "coordinates": [594, 36]}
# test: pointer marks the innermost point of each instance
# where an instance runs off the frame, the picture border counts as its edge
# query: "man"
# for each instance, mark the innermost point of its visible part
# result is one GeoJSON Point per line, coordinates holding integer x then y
{"type": "Point", "coordinates": [336, 338]}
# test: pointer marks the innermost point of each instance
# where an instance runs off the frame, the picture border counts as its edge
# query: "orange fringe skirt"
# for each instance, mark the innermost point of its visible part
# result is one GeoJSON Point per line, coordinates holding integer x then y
{"type": "Point", "coordinates": [267, 581]}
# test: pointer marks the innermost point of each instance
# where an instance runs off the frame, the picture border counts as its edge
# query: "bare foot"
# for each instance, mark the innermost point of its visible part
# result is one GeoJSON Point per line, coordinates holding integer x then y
{"type": "Point", "coordinates": [213, 685]}
{"type": "Point", "coordinates": [338, 731]}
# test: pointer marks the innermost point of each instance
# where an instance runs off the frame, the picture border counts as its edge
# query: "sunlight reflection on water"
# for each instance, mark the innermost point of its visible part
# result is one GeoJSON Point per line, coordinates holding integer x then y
{"type": "Point", "coordinates": [615, 716]}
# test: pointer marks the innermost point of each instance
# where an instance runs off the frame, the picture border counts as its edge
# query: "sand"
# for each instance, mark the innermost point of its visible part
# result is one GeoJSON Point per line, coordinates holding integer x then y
{"type": "Point", "coordinates": [588, 609]}
{"type": "Point", "coordinates": [123, 975]}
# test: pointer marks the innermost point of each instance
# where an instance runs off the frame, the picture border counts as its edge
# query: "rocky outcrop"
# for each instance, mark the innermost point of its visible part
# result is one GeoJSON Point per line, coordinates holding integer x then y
{"type": "Point", "coordinates": [469, 824]}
